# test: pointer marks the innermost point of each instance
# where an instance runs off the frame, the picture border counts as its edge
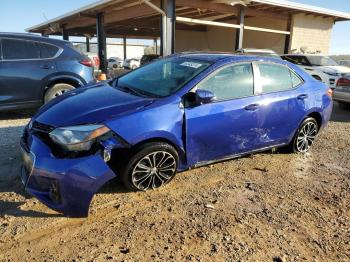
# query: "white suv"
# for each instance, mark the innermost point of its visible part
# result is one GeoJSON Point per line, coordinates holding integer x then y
{"type": "Point", "coordinates": [320, 64]}
{"type": "Point", "coordinates": [317, 74]}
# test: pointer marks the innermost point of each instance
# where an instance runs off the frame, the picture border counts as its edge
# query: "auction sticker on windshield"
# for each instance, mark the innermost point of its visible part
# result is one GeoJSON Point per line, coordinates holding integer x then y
{"type": "Point", "coordinates": [191, 64]}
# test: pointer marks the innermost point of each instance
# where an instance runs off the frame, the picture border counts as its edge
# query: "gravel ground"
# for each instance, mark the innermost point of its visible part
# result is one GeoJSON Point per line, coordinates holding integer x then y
{"type": "Point", "coordinates": [264, 207]}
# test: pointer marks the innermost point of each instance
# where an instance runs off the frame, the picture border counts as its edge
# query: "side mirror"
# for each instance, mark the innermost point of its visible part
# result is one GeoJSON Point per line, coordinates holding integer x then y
{"type": "Point", "coordinates": [204, 96]}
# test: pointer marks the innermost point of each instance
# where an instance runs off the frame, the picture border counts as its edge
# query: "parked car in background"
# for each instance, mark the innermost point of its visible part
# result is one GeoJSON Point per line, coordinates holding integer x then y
{"type": "Point", "coordinates": [131, 63]}
{"type": "Point", "coordinates": [179, 112]}
{"type": "Point", "coordinates": [34, 70]}
{"type": "Point", "coordinates": [342, 92]}
{"type": "Point", "coordinates": [258, 52]}
{"type": "Point", "coordinates": [318, 75]}
{"type": "Point", "coordinates": [146, 59]}
{"type": "Point", "coordinates": [115, 62]}
{"type": "Point", "coordinates": [344, 63]}
{"type": "Point", "coordinates": [319, 63]}
{"type": "Point", "coordinates": [95, 60]}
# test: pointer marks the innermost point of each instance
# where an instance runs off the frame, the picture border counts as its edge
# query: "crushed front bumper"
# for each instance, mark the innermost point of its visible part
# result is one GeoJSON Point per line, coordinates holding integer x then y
{"type": "Point", "coordinates": [64, 185]}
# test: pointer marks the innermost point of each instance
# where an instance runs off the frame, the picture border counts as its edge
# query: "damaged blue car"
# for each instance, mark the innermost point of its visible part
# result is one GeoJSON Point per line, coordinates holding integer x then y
{"type": "Point", "coordinates": [183, 111]}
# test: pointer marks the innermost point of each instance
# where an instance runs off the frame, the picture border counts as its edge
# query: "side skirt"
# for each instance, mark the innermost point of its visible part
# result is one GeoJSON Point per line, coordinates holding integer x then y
{"type": "Point", "coordinates": [205, 163]}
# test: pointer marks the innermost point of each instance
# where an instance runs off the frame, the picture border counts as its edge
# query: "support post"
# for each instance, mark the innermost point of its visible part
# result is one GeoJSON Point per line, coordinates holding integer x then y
{"type": "Point", "coordinates": [287, 40]}
{"type": "Point", "coordinates": [101, 40]}
{"type": "Point", "coordinates": [162, 30]}
{"type": "Point", "coordinates": [87, 44]}
{"type": "Point", "coordinates": [125, 47]}
{"type": "Point", "coordinates": [65, 34]}
{"type": "Point", "coordinates": [240, 31]}
{"type": "Point", "coordinates": [155, 44]}
{"type": "Point", "coordinates": [170, 26]}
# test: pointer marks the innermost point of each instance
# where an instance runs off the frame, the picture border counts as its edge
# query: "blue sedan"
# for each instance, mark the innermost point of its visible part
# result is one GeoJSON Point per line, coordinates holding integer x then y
{"type": "Point", "coordinates": [183, 111]}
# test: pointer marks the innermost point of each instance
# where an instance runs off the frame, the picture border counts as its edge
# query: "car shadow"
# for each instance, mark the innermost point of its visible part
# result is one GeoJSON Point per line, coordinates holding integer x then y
{"type": "Point", "coordinates": [340, 115]}
{"type": "Point", "coordinates": [17, 115]}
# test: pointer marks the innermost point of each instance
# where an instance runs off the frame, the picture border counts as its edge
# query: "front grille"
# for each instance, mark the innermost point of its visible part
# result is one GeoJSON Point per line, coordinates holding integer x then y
{"type": "Point", "coordinates": [332, 81]}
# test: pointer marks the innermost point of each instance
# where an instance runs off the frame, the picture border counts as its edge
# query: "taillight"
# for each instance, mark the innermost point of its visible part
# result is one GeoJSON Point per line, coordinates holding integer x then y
{"type": "Point", "coordinates": [86, 62]}
{"type": "Point", "coordinates": [330, 92]}
{"type": "Point", "coordinates": [97, 61]}
{"type": "Point", "coordinates": [343, 82]}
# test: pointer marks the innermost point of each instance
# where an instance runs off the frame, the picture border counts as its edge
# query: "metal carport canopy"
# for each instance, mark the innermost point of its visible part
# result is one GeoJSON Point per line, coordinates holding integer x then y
{"type": "Point", "coordinates": [150, 19]}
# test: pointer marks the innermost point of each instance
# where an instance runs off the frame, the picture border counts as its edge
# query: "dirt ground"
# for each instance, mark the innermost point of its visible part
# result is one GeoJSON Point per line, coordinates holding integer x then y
{"type": "Point", "coordinates": [264, 207]}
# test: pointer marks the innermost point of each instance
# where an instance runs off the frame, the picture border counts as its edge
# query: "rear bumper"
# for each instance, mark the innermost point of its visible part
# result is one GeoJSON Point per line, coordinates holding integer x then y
{"type": "Point", "coordinates": [64, 185]}
{"type": "Point", "coordinates": [340, 95]}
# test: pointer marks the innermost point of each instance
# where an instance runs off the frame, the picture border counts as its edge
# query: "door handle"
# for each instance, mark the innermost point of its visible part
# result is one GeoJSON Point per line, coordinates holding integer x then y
{"type": "Point", "coordinates": [252, 107]}
{"type": "Point", "coordinates": [45, 67]}
{"type": "Point", "coordinates": [303, 96]}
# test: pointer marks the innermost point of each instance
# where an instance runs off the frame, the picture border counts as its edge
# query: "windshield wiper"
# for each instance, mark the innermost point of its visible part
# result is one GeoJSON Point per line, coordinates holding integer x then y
{"type": "Point", "coordinates": [130, 90]}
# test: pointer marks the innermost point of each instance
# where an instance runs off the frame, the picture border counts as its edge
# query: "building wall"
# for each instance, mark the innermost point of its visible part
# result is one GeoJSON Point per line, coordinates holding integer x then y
{"type": "Point", "coordinates": [265, 40]}
{"type": "Point", "coordinates": [223, 39]}
{"type": "Point", "coordinates": [311, 32]}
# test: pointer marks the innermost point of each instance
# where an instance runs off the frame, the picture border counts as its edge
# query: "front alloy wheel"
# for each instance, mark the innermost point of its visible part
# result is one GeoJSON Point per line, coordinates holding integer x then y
{"type": "Point", "coordinates": [306, 136]}
{"type": "Point", "coordinates": [154, 170]}
{"type": "Point", "coordinates": [150, 166]}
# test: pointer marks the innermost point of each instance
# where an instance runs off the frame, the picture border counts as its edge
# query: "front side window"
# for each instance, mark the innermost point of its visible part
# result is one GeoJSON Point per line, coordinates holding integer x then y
{"type": "Point", "coordinates": [234, 81]}
{"type": "Point", "coordinates": [276, 78]}
{"type": "Point", "coordinates": [164, 77]}
{"type": "Point", "coordinates": [19, 49]}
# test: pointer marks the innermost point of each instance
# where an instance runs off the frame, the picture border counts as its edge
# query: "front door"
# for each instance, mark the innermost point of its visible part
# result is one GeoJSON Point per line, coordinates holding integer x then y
{"type": "Point", "coordinates": [228, 125]}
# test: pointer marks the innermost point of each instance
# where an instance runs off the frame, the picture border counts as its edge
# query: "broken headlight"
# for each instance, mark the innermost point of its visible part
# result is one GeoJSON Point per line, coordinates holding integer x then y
{"type": "Point", "coordinates": [78, 138]}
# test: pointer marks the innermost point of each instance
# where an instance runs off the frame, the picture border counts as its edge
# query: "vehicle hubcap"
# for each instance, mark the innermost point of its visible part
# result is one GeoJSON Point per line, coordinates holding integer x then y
{"type": "Point", "coordinates": [61, 92]}
{"type": "Point", "coordinates": [306, 137]}
{"type": "Point", "coordinates": [154, 170]}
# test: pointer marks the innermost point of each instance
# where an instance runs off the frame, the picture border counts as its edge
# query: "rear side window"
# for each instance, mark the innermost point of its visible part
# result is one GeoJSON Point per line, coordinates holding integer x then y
{"type": "Point", "coordinates": [231, 82]}
{"type": "Point", "coordinates": [19, 49]}
{"type": "Point", "coordinates": [296, 80]}
{"type": "Point", "coordinates": [47, 51]}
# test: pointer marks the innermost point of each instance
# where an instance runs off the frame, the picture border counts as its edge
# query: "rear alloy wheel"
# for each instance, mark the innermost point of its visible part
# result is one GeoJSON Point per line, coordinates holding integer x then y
{"type": "Point", "coordinates": [57, 90]}
{"type": "Point", "coordinates": [305, 136]}
{"type": "Point", "coordinates": [153, 166]}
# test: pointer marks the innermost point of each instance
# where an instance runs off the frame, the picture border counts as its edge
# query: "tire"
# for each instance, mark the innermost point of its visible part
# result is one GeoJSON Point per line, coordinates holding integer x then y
{"type": "Point", "coordinates": [140, 174]}
{"type": "Point", "coordinates": [57, 90]}
{"type": "Point", "coordinates": [344, 106]}
{"type": "Point", "coordinates": [305, 136]}
{"type": "Point", "coordinates": [115, 66]}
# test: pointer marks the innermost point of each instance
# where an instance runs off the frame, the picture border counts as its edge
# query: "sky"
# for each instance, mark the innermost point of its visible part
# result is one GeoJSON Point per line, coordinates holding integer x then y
{"type": "Point", "coordinates": [17, 15]}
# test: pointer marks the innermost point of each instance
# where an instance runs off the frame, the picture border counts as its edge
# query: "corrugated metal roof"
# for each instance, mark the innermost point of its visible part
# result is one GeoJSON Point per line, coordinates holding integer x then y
{"type": "Point", "coordinates": [305, 8]}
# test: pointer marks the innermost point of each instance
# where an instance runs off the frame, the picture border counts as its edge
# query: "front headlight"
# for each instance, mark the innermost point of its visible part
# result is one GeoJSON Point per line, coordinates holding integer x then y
{"type": "Point", "coordinates": [78, 138]}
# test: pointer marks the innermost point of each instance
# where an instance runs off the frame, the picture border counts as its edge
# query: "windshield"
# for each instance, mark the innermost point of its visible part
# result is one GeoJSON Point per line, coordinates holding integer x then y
{"type": "Point", "coordinates": [321, 61]}
{"type": "Point", "coordinates": [164, 77]}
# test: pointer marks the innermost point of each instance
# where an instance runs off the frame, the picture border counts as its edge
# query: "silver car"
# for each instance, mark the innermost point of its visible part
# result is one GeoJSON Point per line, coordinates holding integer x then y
{"type": "Point", "coordinates": [341, 93]}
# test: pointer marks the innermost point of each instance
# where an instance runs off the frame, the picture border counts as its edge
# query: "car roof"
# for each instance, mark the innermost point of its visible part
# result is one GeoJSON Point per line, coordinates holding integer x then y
{"type": "Point", "coordinates": [214, 57]}
{"type": "Point", "coordinates": [33, 37]}
{"type": "Point", "coordinates": [304, 55]}
{"type": "Point", "coordinates": [256, 50]}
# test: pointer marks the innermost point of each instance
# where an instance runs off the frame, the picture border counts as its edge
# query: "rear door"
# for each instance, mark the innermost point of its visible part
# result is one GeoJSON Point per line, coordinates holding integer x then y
{"type": "Point", "coordinates": [279, 97]}
{"type": "Point", "coordinates": [23, 70]}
